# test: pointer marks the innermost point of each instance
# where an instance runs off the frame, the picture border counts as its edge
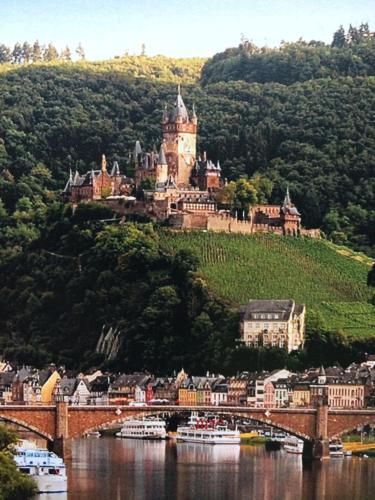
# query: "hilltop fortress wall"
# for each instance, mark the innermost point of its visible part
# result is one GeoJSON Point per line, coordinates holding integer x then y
{"type": "Point", "coordinates": [226, 223]}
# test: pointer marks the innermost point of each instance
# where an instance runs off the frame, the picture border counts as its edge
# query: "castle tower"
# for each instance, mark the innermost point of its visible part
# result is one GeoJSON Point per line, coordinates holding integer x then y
{"type": "Point", "coordinates": [290, 217]}
{"type": "Point", "coordinates": [180, 138]}
{"type": "Point", "coordinates": [161, 167]}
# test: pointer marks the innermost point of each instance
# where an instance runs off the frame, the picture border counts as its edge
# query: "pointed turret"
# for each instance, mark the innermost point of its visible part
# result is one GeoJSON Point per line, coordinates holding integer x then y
{"type": "Point", "coordinates": [137, 151]}
{"type": "Point", "coordinates": [162, 160]}
{"type": "Point", "coordinates": [69, 184]}
{"type": "Point", "coordinates": [179, 113]}
{"type": "Point", "coordinates": [115, 172]}
{"type": "Point", "coordinates": [104, 164]}
{"type": "Point", "coordinates": [287, 200]}
{"type": "Point", "coordinates": [76, 178]}
{"type": "Point", "coordinates": [161, 168]}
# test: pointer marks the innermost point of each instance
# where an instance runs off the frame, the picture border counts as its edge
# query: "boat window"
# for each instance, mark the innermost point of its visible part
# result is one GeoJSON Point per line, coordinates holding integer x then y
{"type": "Point", "coordinates": [25, 470]}
{"type": "Point", "coordinates": [54, 472]}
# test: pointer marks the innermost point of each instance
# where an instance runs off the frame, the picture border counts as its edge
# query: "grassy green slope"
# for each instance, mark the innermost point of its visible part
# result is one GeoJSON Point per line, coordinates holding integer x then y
{"type": "Point", "coordinates": [326, 278]}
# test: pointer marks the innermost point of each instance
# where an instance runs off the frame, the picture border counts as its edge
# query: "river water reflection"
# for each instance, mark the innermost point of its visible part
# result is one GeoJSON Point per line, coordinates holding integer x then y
{"type": "Point", "coordinates": [115, 469]}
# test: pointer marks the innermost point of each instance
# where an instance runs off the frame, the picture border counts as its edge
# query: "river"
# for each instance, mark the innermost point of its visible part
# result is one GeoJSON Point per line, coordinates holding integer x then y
{"type": "Point", "coordinates": [117, 469]}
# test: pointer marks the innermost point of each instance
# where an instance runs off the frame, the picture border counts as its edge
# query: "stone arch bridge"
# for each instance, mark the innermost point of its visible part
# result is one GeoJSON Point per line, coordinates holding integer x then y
{"type": "Point", "coordinates": [60, 423]}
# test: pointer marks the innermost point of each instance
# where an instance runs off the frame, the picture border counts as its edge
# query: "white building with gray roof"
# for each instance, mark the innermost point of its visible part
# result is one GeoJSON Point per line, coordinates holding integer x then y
{"type": "Point", "coordinates": [273, 323]}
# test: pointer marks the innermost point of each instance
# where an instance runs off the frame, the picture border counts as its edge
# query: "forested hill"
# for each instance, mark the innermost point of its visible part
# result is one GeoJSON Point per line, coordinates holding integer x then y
{"type": "Point", "coordinates": [350, 54]}
{"type": "Point", "coordinates": [316, 136]}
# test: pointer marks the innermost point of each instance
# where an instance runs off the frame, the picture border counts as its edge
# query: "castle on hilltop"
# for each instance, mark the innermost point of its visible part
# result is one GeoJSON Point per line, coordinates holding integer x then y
{"type": "Point", "coordinates": [179, 185]}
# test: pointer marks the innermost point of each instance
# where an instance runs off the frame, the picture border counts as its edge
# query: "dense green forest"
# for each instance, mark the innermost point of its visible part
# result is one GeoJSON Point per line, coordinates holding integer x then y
{"type": "Point", "coordinates": [64, 277]}
{"type": "Point", "coordinates": [349, 54]}
{"type": "Point", "coordinates": [316, 135]}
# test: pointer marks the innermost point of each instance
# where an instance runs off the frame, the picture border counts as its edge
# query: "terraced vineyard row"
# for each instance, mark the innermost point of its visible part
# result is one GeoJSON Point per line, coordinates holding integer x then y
{"type": "Point", "coordinates": [240, 267]}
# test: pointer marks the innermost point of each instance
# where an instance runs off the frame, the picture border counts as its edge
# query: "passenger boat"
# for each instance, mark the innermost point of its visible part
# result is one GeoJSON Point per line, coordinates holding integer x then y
{"type": "Point", "coordinates": [293, 445]}
{"type": "Point", "coordinates": [208, 432]}
{"type": "Point", "coordinates": [336, 448]}
{"type": "Point", "coordinates": [93, 434]}
{"type": "Point", "coordinates": [45, 467]}
{"type": "Point", "coordinates": [143, 429]}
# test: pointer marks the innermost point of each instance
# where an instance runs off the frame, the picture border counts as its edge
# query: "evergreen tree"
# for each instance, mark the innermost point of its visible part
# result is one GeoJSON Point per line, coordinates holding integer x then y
{"type": "Point", "coordinates": [66, 54]}
{"type": "Point", "coordinates": [339, 38]}
{"type": "Point", "coordinates": [50, 53]}
{"type": "Point", "coordinates": [17, 54]}
{"type": "Point", "coordinates": [80, 52]}
{"type": "Point", "coordinates": [5, 55]}
{"type": "Point", "coordinates": [354, 35]}
{"type": "Point", "coordinates": [27, 52]}
{"type": "Point", "coordinates": [36, 52]}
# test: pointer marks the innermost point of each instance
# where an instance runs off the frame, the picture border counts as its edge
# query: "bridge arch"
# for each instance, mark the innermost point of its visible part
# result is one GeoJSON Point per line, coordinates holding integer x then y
{"type": "Point", "coordinates": [26, 426]}
{"type": "Point", "coordinates": [344, 424]}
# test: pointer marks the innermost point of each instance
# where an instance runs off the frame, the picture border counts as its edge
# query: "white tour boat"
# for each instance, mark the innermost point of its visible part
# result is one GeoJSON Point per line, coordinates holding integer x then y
{"type": "Point", "coordinates": [293, 445]}
{"type": "Point", "coordinates": [45, 467]}
{"type": "Point", "coordinates": [336, 448]}
{"type": "Point", "coordinates": [143, 429]}
{"type": "Point", "coordinates": [208, 432]}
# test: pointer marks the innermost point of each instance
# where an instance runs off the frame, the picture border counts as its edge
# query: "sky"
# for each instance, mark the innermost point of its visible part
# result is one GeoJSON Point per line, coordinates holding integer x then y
{"type": "Point", "coordinates": [178, 28]}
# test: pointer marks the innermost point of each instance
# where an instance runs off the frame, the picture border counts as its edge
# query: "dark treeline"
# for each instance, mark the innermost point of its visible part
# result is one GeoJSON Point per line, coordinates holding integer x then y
{"type": "Point", "coordinates": [26, 53]}
{"type": "Point", "coordinates": [349, 54]}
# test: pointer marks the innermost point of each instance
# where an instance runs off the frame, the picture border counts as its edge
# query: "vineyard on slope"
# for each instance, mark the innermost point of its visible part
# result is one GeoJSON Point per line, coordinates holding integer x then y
{"type": "Point", "coordinates": [313, 272]}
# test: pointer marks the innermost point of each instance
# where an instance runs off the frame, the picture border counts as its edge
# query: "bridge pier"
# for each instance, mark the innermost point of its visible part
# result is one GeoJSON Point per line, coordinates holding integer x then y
{"type": "Point", "coordinates": [62, 444]}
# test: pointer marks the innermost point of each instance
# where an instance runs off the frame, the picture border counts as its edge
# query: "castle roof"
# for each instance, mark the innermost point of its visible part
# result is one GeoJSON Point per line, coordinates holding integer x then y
{"type": "Point", "coordinates": [287, 206]}
{"type": "Point", "coordinates": [115, 169]}
{"type": "Point", "coordinates": [162, 160]}
{"type": "Point", "coordinates": [179, 110]}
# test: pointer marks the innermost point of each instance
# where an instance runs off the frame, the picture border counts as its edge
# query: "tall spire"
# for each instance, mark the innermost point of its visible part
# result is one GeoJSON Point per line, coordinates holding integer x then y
{"type": "Point", "coordinates": [104, 164]}
{"type": "Point", "coordinates": [115, 169]}
{"type": "Point", "coordinates": [162, 160]}
{"type": "Point", "coordinates": [287, 200]}
{"type": "Point", "coordinates": [179, 112]}
{"type": "Point", "coordinates": [137, 151]}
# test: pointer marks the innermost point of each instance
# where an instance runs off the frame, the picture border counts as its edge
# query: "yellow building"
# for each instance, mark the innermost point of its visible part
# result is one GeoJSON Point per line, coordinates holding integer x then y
{"type": "Point", "coordinates": [301, 395]}
{"type": "Point", "coordinates": [48, 387]}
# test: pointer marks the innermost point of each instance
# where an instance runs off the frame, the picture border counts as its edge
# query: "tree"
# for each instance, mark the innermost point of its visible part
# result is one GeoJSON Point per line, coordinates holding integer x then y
{"type": "Point", "coordinates": [143, 49]}
{"type": "Point", "coordinates": [27, 52]}
{"type": "Point", "coordinates": [5, 55]}
{"type": "Point", "coordinates": [36, 52]}
{"type": "Point", "coordinates": [339, 38]}
{"type": "Point", "coordinates": [50, 53]}
{"type": "Point", "coordinates": [80, 52]}
{"type": "Point", "coordinates": [66, 54]}
{"type": "Point", "coordinates": [17, 54]}
{"type": "Point", "coordinates": [13, 484]}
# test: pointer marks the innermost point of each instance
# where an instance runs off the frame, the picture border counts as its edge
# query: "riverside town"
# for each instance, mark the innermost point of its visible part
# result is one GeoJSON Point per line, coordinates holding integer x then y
{"type": "Point", "coordinates": [187, 251]}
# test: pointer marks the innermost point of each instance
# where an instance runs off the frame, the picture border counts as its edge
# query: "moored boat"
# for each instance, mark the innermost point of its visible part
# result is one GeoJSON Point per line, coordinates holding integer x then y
{"type": "Point", "coordinates": [45, 467]}
{"type": "Point", "coordinates": [293, 445]}
{"type": "Point", "coordinates": [208, 432]}
{"type": "Point", "coordinates": [336, 448]}
{"type": "Point", "coordinates": [143, 429]}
